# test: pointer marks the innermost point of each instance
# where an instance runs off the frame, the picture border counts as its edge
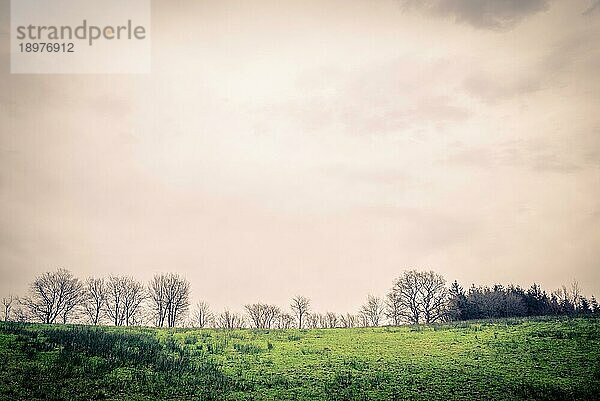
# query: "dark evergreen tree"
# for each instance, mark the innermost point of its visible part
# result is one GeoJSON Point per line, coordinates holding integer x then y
{"type": "Point", "coordinates": [458, 302]}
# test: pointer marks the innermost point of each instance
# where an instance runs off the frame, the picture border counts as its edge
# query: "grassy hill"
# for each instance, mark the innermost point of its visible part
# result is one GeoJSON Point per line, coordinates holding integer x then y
{"type": "Point", "coordinates": [550, 359]}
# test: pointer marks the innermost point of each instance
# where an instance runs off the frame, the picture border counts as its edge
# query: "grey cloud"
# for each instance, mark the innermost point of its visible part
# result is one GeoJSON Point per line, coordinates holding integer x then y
{"type": "Point", "coordinates": [535, 155]}
{"type": "Point", "coordinates": [493, 88]}
{"type": "Point", "coordinates": [593, 9]}
{"type": "Point", "coordinates": [565, 155]}
{"type": "Point", "coordinates": [577, 48]}
{"type": "Point", "coordinates": [482, 14]}
{"type": "Point", "coordinates": [569, 59]}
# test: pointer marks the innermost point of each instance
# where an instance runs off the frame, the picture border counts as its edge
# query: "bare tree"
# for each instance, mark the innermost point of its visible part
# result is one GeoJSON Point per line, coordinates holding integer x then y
{"type": "Point", "coordinates": [285, 321]}
{"type": "Point", "coordinates": [134, 297]}
{"type": "Point", "coordinates": [312, 321]}
{"type": "Point", "coordinates": [71, 311]}
{"type": "Point", "coordinates": [7, 303]}
{"type": "Point", "coordinates": [563, 300]}
{"type": "Point", "coordinates": [433, 296]}
{"type": "Point", "coordinates": [363, 320]}
{"type": "Point", "coordinates": [300, 306]}
{"type": "Point", "coordinates": [169, 294]}
{"type": "Point", "coordinates": [373, 310]}
{"type": "Point", "coordinates": [418, 296]}
{"type": "Point", "coordinates": [404, 298]}
{"type": "Point", "coordinates": [394, 306]}
{"type": "Point", "coordinates": [202, 317]}
{"type": "Point", "coordinates": [21, 312]}
{"type": "Point", "coordinates": [157, 293]}
{"type": "Point", "coordinates": [594, 305]}
{"type": "Point", "coordinates": [261, 315]}
{"type": "Point", "coordinates": [94, 299]}
{"type": "Point", "coordinates": [322, 320]}
{"type": "Point", "coordinates": [575, 295]}
{"type": "Point", "coordinates": [178, 299]}
{"type": "Point", "coordinates": [332, 320]}
{"type": "Point", "coordinates": [229, 320]}
{"type": "Point", "coordinates": [53, 295]}
{"type": "Point", "coordinates": [115, 290]}
{"type": "Point", "coordinates": [348, 320]}
{"type": "Point", "coordinates": [568, 298]}
{"type": "Point", "coordinates": [124, 298]}
{"type": "Point", "coordinates": [575, 290]}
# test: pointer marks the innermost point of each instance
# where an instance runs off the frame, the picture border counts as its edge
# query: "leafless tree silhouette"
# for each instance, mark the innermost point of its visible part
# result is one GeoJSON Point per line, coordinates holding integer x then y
{"type": "Point", "coordinates": [94, 299]}
{"type": "Point", "coordinates": [434, 296]}
{"type": "Point", "coordinates": [373, 310]}
{"type": "Point", "coordinates": [300, 306]}
{"type": "Point", "coordinates": [312, 320]}
{"type": "Point", "coordinates": [53, 295]}
{"type": "Point", "coordinates": [229, 320]}
{"type": "Point", "coordinates": [404, 298]}
{"type": "Point", "coordinates": [331, 319]}
{"type": "Point", "coordinates": [262, 316]}
{"type": "Point", "coordinates": [285, 321]}
{"type": "Point", "coordinates": [124, 299]}
{"type": "Point", "coordinates": [348, 320]}
{"type": "Point", "coordinates": [417, 296]}
{"type": "Point", "coordinates": [202, 316]}
{"type": "Point", "coordinates": [169, 294]}
{"type": "Point", "coordinates": [7, 303]}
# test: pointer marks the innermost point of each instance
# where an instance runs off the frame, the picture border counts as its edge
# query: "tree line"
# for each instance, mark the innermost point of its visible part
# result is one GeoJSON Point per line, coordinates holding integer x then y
{"type": "Point", "coordinates": [415, 297]}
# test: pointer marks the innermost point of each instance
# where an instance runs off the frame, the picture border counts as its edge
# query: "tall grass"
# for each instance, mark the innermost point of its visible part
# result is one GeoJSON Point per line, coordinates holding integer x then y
{"type": "Point", "coordinates": [123, 360]}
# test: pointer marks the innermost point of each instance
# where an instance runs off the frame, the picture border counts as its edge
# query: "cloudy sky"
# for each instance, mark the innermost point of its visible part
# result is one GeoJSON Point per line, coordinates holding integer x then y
{"type": "Point", "coordinates": [316, 148]}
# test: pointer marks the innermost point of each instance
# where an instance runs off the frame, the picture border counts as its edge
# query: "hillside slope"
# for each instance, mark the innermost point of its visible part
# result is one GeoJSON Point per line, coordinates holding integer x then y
{"type": "Point", "coordinates": [556, 359]}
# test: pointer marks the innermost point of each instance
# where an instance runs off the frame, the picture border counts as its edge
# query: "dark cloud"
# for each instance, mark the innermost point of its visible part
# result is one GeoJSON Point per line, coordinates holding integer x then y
{"type": "Point", "coordinates": [482, 14]}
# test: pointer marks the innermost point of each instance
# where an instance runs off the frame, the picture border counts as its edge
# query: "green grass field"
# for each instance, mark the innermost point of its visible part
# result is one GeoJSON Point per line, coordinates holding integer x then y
{"type": "Point", "coordinates": [552, 359]}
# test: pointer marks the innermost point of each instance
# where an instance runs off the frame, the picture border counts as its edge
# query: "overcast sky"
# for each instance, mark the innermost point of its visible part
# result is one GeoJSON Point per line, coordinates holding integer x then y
{"type": "Point", "coordinates": [316, 148]}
